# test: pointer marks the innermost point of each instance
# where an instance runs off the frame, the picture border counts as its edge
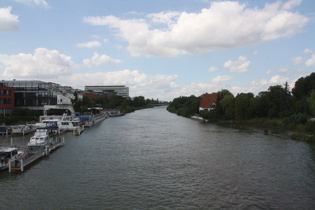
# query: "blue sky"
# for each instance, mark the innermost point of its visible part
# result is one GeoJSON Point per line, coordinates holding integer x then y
{"type": "Point", "coordinates": [159, 48]}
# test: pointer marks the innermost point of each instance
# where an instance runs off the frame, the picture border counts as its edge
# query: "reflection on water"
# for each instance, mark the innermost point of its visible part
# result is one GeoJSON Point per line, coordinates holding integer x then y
{"type": "Point", "coordinates": [152, 159]}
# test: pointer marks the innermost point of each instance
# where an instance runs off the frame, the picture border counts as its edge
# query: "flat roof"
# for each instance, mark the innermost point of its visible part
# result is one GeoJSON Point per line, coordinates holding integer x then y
{"type": "Point", "coordinates": [7, 149]}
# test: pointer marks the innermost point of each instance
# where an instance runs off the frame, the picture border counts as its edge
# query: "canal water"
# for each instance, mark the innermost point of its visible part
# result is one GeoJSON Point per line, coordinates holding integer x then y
{"type": "Point", "coordinates": [152, 159]}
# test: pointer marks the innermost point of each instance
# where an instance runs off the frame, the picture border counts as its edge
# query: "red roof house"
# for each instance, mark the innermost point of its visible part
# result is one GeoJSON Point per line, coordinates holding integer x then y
{"type": "Point", "coordinates": [208, 101]}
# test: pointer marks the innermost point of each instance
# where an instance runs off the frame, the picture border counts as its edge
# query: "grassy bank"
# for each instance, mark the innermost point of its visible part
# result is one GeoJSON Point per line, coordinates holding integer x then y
{"type": "Point", "coordinates": [302, 132]}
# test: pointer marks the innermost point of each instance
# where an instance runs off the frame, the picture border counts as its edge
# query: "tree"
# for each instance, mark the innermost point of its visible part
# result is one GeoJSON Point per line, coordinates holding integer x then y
{"type": "Point", "coordinates": [226, 107]}
{"type": "Point", "coordinates": [311, 102]}
{"type": "Point", "coordinates": [222, 93]}
{"type": "Point", "coordinates": [139, 101]}
{"type": "Point", "coordinates": [185, 106]}
{"type": "Point", "coordinates": [279, 100]}
{"type": "Point", "coordinates": [242, 106]}
{"type": "Point", "coordinates": [304, 86]}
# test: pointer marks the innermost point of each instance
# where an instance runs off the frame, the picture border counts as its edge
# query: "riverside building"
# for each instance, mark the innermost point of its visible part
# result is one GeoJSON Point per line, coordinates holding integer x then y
{"type": "Point", "coordinates": [34, 94]}
{"type": "Point", "coordinates": [119, 90]}
{"type": "Point", "coordinates": [6, 99]}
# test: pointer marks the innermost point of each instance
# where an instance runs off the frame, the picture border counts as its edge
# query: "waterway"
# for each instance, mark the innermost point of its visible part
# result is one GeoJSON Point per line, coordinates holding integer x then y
{"type": "Point", "coordinates": [152, 159]}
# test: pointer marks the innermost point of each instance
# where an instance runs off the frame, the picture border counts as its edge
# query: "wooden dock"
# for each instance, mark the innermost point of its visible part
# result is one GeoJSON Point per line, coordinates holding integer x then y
{"type": "Point", "coordinates": [35, 154]}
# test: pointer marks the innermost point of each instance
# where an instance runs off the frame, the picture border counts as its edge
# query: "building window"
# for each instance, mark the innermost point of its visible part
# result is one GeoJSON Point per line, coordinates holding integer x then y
{"type": "Point", "coordinates": [5, 100]}
{"type": "Point", "coordinates": [5, 92]}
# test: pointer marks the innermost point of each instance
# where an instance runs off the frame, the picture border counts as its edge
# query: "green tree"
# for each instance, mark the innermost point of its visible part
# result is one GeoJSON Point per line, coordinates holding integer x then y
{"type": "Point", "coordinates": [139, 101]}
{"type": "Point", "coordinates": [222, 93]}
{"type": "Point", "coordinates": [242, 106]}
{"type": "Point", "coordinates": [226, 107]}
{"type": "Point", "coordinates": [279, 100]}
{"type": "Point", "coordinates": [304, 86]}
{"type": "Point", "coordinates": [311, 102]}
{"type": "Point", "coordinates": [185, 106]}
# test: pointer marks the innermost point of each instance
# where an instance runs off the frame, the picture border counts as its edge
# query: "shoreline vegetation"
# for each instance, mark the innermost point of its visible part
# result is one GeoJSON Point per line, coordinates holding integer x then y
{"type": "Point", "coordinates": [276, 111]}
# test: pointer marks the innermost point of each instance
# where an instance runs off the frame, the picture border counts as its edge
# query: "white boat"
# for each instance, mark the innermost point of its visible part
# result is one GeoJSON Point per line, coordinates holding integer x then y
{"type": "Point", "coordinates": [66, 123]}
{"type": "Point", "coordinates": [9, 154]}
{"type": "Point", "coordinates": [94, 116]}
{"type": "Point", "coordinates": [22, 129]}
{"type": "Point", "coordinates": [42, 137]}
{"type": "Point", "coordinates": [78, 129]}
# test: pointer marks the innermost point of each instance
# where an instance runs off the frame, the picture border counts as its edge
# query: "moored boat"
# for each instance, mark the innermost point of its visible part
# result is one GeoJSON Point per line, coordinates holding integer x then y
{"type": "Point", "coordinates": [5, 130]}
{"type": "Point", "coordinates": [22, 129]}
{"type": "Point", "coordinates": [66, 123]}
{"type": "Point", "coordinates": [9, 154]}
{"type": "Point", "coordinates": [93, 116]}
{"type": "Point", "coordinates": [42, 137]}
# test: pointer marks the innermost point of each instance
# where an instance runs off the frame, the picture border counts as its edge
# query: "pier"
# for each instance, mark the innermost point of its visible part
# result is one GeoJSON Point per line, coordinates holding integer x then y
{"type": "Point", "coordinates": [34, 154]}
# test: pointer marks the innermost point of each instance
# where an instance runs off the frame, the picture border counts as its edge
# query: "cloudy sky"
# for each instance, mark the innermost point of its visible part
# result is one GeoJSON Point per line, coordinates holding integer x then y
{"type": "Point", "coordinates": [159, 48]}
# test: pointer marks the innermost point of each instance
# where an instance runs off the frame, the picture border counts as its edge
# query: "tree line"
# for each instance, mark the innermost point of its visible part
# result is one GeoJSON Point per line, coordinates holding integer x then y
{"type": "Point", "coordinates": [289, 108]}
{"type": "Point", "coordinates": [114, 102]}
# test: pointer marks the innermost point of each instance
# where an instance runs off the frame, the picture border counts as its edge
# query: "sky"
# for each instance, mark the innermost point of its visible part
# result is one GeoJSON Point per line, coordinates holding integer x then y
{"type": "Point", "coordinates": [160, 49]}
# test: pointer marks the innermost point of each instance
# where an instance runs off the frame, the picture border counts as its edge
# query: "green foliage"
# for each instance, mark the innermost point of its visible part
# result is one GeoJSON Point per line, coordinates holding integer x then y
{"type": "Point", "coordinates": [242, 106]}
{"type": "Point", "coordinates": [275, 108]}
{"type": "Point", "coordinates": [139, 101]}
{"type": "Point", "coordinates": [275, 103]}
{"type": "Point", "coordinates": [295, 119]}
{"type": "Point", "coordinates": [211, 116]}
{"type": "Point", "coordinates": [304, 86]}
{"type": "Point", "coordinates": [310, 127]}
{"type": "Point", "coordinates": [113, 101]}
{"type": "Point", "coordinates": [226, 107]}
{"type": "Point", "coordinates": [311, 102]}
{"type": "Point", "coordinates": [20, 116]}
{"type": "Point", "coordinates": [184, 106]}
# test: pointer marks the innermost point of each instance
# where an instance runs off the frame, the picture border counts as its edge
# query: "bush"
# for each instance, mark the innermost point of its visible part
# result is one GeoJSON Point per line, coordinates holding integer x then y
{"type": "Point", "coordinates": [295, 119]}
{"type": "Point", "coordinates": [310, 127]}
{"type": "Point", "coordinates": [211, 116]}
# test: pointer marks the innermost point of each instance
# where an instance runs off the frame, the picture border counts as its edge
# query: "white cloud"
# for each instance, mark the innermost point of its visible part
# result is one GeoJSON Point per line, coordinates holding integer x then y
{"type": "Point", "coordinates": [89, 44]}
{"type": "Point", "coordinates": [212, 68]}
{"type": "Point", "coordinates": [297, 60]}
{"type": "Point", "coordinates": [238, 66]}
{"type": "Point", "coordinates": [41, 3]}
{"type": "Point", "coordinates": [150, 86]}
{"type": "Point", "coordinates": [225, 24]}
{"type": "Point", "coordinates": [291, 4]}
{"type": "Point", "coordinates": [97, 60]}
{"type": "Point", "coordinates": [220, 79]}
{"type": "Point", "coordinates": [8, 22]}
{"type": "Point", "coordinates": [269, 72]}
{"type": "Point", "coordinates": [43, 64]}
{"type": "Point", "coordinates": [283, 70]}
{"type": "Point", "coordinates": [264, 84]}
{"type": "Point", "coordinates": [311, 61]}
{"type": "Point", "coordinates": [308, 51]}
{"type": "Point", "coordinates": [167, 18]}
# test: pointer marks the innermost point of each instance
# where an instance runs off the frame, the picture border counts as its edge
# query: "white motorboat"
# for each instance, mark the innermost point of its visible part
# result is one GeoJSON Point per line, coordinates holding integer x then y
{"type": "Point", "coordinates": [42, 137]}
{"type": "Point", "coordinates": [22, 129]}
{"type": "Point", "coordinates": [66, 123]}
{"type": "Point", "coordinates": [9, 154]}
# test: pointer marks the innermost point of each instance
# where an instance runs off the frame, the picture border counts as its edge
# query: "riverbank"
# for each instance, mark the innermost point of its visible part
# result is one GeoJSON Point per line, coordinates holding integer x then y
{"type": "Point", "coordinates": [300, 132]}
{"type": "Point", "coordinates": [276, 127]}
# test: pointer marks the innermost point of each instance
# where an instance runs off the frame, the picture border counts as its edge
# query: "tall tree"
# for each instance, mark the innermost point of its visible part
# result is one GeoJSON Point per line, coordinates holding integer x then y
{"type": "Point", "coordinates": [304, 86]}
{"type": "Point", "coordinates": [226, 107]}
{"type": "Point", "coordinates": [311, 102]}
{"type": "Point", "coordinates": [242, 106]}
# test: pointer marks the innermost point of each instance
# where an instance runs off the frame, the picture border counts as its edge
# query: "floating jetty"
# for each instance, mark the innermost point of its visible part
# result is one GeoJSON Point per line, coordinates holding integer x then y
{"type": "Point", "coordinates": [34, 154]}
